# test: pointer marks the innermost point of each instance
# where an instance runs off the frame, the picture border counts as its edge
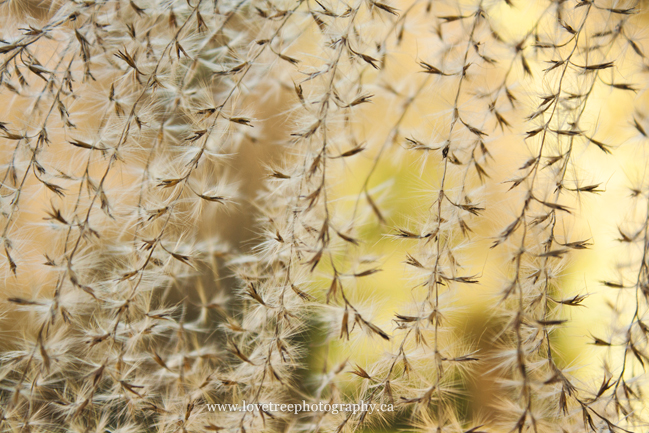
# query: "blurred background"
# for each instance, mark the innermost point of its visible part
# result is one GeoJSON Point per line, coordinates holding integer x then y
{"type": "Point", "coordinates": [402, 182]}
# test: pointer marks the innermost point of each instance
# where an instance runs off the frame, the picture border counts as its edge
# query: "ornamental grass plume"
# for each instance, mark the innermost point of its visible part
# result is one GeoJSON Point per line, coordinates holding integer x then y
{"type": "Point", "coordinates": [414, 204]}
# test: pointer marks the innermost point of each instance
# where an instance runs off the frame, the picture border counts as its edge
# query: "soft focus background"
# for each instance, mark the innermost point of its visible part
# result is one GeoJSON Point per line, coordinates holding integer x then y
{"type": "Point", "coordinates": [402, 183]}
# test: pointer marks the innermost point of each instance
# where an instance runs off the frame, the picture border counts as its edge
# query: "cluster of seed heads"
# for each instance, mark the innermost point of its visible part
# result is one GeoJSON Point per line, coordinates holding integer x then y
{"type": "Point", "coordinates": [199, 201]}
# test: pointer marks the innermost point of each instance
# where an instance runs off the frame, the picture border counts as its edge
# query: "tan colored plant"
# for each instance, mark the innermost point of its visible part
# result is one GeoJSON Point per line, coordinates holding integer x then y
{"type": "Point", "coordinates": [319, 201]}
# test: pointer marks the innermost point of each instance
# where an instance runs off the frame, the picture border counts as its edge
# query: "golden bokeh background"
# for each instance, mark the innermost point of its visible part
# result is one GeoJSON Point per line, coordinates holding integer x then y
{"type": "Point", "coordinates": [403, 184]}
